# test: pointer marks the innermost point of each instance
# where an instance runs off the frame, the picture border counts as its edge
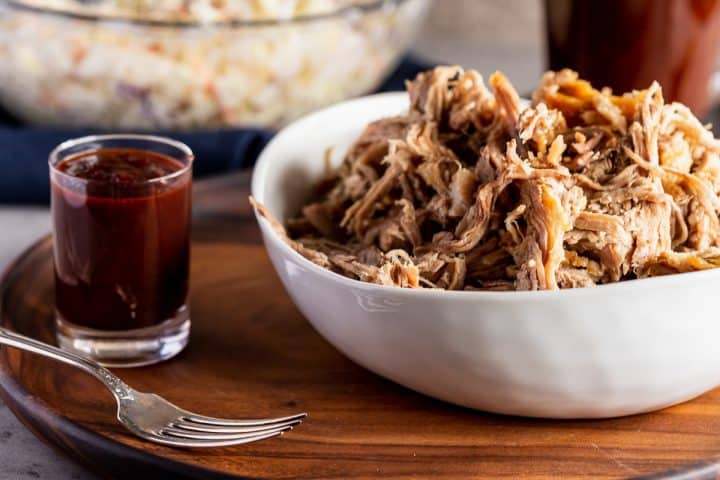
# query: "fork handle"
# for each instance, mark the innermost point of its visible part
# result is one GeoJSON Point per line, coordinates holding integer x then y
{"type": "Point", "coordinates": [112, 382]}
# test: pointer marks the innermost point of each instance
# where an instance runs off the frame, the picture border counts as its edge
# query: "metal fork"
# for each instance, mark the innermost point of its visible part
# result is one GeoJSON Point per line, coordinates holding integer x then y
{"type": "Point", "coordinates": [153, 418]}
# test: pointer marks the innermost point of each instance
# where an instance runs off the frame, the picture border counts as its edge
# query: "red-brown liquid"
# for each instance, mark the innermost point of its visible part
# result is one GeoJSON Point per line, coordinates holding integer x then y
{"type": "Point", "coordinates": [626, 44]}
{"type": "Point", "coordinates": [121, 243]}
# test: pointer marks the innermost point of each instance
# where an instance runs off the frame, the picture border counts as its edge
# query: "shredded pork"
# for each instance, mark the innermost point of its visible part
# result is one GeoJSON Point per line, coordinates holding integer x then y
{"type": "Point", "coordinates": [469, 190]}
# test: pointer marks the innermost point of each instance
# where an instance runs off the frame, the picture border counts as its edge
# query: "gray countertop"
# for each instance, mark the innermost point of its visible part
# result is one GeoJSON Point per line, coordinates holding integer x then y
{"type": "Point", "coordinates": [488, 35]}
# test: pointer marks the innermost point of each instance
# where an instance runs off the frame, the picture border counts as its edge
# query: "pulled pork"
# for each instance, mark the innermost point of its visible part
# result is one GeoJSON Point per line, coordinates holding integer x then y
{"type": "Point", "coordinates": [469, 190]}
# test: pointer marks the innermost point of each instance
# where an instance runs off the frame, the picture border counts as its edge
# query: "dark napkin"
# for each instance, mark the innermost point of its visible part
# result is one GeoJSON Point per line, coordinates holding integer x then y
{"type": "Point", "coordinates": [24, 149]}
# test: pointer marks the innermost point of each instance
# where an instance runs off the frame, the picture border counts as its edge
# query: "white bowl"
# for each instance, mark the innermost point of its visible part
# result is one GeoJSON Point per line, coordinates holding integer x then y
{"type": "Point", "coordinates": [596, 352]}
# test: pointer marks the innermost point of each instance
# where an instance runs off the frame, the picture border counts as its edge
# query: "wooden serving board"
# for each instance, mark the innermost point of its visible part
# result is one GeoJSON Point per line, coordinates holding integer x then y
{"type": "Point", "coordinates": [252, 354]}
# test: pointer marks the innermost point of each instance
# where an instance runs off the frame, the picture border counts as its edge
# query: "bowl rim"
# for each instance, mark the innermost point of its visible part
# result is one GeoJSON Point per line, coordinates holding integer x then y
{"type": "Point", "coordinates": [358, 9]}
{"type": "Point", "coordinates": [260, 173]}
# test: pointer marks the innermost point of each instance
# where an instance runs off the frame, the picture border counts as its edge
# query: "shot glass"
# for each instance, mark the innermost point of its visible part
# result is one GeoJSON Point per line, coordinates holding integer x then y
{"type": "Point", "coordinates": [121, 207]}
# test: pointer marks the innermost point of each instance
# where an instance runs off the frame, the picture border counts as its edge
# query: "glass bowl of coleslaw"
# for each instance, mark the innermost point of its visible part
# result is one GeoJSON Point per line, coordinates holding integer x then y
{"type": "Point", "coordinates": [194, 64]}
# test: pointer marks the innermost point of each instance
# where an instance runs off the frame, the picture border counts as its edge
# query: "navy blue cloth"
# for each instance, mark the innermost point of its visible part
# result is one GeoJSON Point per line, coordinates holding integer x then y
{"type": "Point", "coordinates": [24, 149]}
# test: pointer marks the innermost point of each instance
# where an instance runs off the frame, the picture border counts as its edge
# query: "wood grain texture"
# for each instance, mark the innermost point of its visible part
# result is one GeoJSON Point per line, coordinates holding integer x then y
{"type": "Point", "coordinates": [252, 354]}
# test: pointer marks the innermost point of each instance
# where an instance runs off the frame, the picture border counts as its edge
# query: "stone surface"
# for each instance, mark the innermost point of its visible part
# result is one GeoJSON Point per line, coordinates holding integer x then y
{"type": "Point", "coordinates": [484, 34]}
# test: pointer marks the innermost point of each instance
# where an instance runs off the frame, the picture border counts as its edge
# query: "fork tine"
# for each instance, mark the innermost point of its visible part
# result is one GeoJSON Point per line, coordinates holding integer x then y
{"type": "Point", "coordinates": [206, 428]}
{"type": "Point", "coordinates": [188, 443]}
{"type": "Point", "coordinates": [226, 422]}
{"type": "Point", "coordinates": [185, 434]}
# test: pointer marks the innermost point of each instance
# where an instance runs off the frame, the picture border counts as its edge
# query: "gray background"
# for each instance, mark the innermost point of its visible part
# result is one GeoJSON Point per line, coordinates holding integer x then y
{"type": "Point", "coordinates": [487, 35]}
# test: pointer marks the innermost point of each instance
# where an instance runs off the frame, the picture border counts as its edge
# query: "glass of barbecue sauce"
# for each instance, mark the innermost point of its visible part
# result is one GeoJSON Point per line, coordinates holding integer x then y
{"type": "Point", "coordinates": [121, 218]}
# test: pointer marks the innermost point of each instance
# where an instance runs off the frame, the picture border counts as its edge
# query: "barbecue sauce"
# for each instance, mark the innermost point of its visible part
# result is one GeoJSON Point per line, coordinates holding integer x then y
{"type": "Point", "coordinates": [121, 238]}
